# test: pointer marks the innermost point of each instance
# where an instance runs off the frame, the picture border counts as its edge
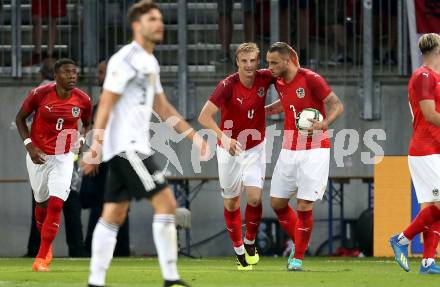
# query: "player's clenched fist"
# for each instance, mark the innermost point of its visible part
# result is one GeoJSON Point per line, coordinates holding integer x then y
{"type": "Point", "coordinates": [203, 147]}
{"type": "Point", "coordinates": [232, 146]}
{"type": "Point", "coordinates": [37, 155]}
{"type": "Point", "coordinates": [91, 159]}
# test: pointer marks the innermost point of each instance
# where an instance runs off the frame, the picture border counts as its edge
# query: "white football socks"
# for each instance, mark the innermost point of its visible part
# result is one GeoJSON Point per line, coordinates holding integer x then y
{"type": "Point", "coordinates": [427, 262]}
{"type": "Point", "coordinates": [239, 250]}
{"type": "Point", "coordinates": [248, 242]}
{"type": "Point", "coordinates": [165, 239]}
{"type": "Point", "coordinates": [103, 245]}
{"type": "Point", "coordinates": [402, 239]}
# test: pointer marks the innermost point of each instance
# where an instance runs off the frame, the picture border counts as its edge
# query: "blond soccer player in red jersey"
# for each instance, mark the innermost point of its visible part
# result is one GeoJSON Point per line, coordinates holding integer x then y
{"type": "Point", "coordinates": [57, 108]}
{"type": "Point", "coordinates": [240, 99]}
{"type": "Point", "coordinates": [303, 163]}
{"type": "Point", "coordinates": [424, 157]}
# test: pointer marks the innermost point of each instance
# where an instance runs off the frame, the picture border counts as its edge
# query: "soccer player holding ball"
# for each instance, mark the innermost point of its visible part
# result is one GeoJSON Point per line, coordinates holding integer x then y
{"type": "Point", "coordinates": [303, 163]}
{"type": "Point", "coordinates": [57, 108]}
{"type": "Point", "coordinates": [424, 157]}
{"type": "Point", "coordinates": [240, 98]}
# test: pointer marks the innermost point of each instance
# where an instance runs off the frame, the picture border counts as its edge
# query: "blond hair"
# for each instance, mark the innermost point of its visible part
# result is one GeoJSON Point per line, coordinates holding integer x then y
{"type": "Point", "coordinates": [428, 43]}
{"type": "Point", "coordinates": [248, 47]}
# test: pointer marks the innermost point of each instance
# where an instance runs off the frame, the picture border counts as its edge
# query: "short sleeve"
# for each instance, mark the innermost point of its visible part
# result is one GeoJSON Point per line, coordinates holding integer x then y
{"type": "Point", "coordinates": [32, 101]}
{"type": "Point", "coordinates": [221, 93]}
{"type": "Point", "coordinates": [424, 87]}
{"type": "Point", "coordinates": [118, 74]}
{"type": "Point", "coordinates": [318, 86]}
{"type": "Point", "coordinates": [267, 77]}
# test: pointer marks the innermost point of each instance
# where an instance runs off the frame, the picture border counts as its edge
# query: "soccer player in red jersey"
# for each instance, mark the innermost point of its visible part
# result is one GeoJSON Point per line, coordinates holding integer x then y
{"type": "Point", "coordinates": [303, 163]}
{"type": "Point", "coordinates": [424, 157]}
{"type": "Point", "coordinates": [240, 98]}
{"type": "Point", "coordinates": [57, 107]}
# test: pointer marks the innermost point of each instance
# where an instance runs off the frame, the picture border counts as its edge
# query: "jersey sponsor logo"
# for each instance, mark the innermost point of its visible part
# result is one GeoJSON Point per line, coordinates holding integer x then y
{"type": "Point", "coordinates": [75, 111]}
{"type": "Point", "coordinates": [435, 192]}
{"type": "Point", "coordinates": [281, 94]}
{"type": "Point", "coordinates": [300, 93]}
{"type": "Point", "coordinates": [48, 108]}
{"type": "Point", "coordinates": [240, 100]}
{"type": "Point", "coordinates": [424, 74]}
{"type": "Point", "coordinates": [261, 92]}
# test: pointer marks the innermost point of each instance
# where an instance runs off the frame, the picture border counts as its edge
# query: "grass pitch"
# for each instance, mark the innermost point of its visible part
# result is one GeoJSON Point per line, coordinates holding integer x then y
{"type": "Point", "coordinates": [319, 271]}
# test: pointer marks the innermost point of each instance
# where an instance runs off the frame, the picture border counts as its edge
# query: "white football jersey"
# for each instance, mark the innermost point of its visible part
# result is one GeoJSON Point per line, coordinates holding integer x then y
{"type": "Point", "coordinates": [132, 73]}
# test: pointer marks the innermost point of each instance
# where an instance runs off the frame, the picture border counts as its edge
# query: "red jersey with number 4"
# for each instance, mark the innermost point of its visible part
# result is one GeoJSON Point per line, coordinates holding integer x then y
{"type": "Point", "coordinates": [306, 90]}
{"type": "Point", "coordinates": [56, 118]}
{"type": "Point", "coordinates": [424, 85]}
{"type": "Point", "coordinates": [242, 109]}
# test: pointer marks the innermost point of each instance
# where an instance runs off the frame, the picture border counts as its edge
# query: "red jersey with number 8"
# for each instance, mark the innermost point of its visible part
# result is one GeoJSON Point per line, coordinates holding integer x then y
{"type": "Point", "coordinates": [55, 121]}
{"type": "Point", "coordinates": [306, 90]}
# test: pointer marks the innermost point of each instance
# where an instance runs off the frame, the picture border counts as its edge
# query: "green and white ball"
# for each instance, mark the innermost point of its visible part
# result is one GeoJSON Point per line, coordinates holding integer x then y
{"type": "Point", "coordinates": [302, 121]}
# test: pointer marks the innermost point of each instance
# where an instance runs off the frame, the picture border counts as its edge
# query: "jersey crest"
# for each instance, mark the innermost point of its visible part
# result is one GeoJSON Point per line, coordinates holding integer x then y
{"type": "Point", "coordinates": [76, 111]}
{"type": "Point", "coordinates": [300, 93]}
{"type": "Point", "coordinates": [261, 92]}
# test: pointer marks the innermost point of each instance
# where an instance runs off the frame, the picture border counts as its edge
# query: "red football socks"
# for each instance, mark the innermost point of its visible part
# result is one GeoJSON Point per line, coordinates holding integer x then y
{"type": "Point", "coordinates": [303, 232]}
{"type": "Point", "coordinates": [426, 217]}
{"type": "Point", "coordinates": [252, 219]}
{"type": "Point", "coordinates": [40, 216]}
{"type": "Point", "coordinates": [51, 225]}
{"type": "Point", "coordinates": [233, 225]}
{"type": "Point", "coordinates": [287, 219]}
{"type": "Point", "coordinates": [430, 240]}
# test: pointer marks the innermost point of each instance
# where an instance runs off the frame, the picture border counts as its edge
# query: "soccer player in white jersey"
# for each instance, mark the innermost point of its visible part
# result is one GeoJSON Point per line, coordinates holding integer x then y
{"type": "Point", "coordinates": [424, 157]}
{"type": "Point", "coordinates": [132, 89]}
{"type": "Point", "coordinates": [303, 164]}
{"type": "Point", "coordinates": [241, 152]}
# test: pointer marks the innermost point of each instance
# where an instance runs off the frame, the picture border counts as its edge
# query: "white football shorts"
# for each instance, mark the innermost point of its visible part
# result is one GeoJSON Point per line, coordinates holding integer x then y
{"type": "Point", "coordinates": [425, 175]}
{"type": "Point", "coordinates": [52, 178]}
{"type": "Point", "coordinates": [304, 172]}
{"type": "Point", "coordinates": [246, 169]}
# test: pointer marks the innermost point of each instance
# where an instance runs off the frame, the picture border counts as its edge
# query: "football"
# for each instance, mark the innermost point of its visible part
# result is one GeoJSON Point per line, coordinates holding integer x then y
{"type": "Point", "coordinates": [302, 120]}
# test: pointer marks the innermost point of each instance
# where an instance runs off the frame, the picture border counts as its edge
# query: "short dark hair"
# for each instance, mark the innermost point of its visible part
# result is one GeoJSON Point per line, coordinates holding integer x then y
{"type": "Point", "coordinates": [140, 8]}
{"type": "Point", "coordinates": [285, 50]}
{"type": "Point", "coordinates": [61, 62]}
{"type": "Point", "coordinates": [282, 48]}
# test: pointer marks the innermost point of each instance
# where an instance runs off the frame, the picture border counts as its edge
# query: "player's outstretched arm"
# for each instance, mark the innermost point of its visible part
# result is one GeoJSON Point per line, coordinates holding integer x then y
{"type": "Point", "coordinates": [165, 110]}
{"type": "Point", "coordinates": [36, 154]}
{"type": "Point", "coordinates": [429, 112]}
{"type": "Point", "coordinates": [206, 119]}
{"type": "Point", "coordinates": [274, 108]}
